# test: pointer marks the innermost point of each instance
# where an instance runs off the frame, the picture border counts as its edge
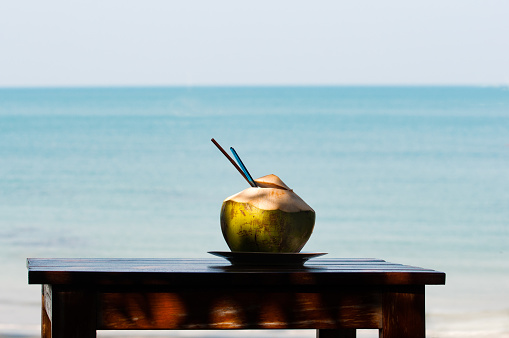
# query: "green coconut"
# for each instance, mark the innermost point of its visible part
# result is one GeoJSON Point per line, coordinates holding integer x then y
{"type": "Point", "coordinates": [269, 218]}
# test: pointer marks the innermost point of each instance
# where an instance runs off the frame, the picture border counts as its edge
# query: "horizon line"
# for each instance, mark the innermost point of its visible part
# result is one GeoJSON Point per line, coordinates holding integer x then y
{"type": "Point", "coordinates": [141, 86]}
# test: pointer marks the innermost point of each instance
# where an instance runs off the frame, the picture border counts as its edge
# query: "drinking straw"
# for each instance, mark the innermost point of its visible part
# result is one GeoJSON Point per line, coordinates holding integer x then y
{"type": "Point", "coordinates": [231, 160]}
{"type": "Point", "coordinates": [244, 169]}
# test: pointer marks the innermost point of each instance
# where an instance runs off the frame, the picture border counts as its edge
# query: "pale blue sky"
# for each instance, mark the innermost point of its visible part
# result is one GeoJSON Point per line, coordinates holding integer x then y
{"type": "Point", "coordinates": [233, 42]}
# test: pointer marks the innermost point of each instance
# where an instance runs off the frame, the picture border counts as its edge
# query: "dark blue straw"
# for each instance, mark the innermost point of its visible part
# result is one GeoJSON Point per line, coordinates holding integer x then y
{"type": "Point", "coordinates": [243, 167]}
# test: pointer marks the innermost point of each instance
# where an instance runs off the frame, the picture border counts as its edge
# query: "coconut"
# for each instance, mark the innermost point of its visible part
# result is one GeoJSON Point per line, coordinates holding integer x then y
{"type": "Point", "coordinates": [269, 218]}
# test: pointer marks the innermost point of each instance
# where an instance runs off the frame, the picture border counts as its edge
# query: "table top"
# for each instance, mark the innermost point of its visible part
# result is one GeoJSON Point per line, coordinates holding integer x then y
{"type": "Point", "coordinates": [219, 272]}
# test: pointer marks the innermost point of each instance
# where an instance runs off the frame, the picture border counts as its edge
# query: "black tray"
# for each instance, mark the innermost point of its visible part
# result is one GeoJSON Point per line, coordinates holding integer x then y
{"type": "Point", "coordinates": [266, 258]}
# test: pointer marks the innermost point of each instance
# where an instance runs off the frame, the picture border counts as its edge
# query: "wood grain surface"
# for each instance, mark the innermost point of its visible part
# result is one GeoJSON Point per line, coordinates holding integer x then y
{"type": "Point", "coordinates": [103, 271]}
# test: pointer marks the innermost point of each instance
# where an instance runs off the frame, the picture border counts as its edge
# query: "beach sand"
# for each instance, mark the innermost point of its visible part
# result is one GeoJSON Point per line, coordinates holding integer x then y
{"type": "Point", "coordinates": [450, 332]}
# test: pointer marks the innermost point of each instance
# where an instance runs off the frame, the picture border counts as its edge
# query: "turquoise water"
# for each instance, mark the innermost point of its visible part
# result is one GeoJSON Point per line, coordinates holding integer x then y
{"type": "Point", "coordinates": [414, 175]}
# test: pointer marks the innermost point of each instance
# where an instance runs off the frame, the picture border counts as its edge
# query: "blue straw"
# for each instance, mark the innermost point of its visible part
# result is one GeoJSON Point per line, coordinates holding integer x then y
{"type": "Point", "coordinates": [243, 167]}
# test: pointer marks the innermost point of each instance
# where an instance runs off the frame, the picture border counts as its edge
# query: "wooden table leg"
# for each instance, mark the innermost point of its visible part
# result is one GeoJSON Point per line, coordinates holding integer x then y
{"type": "Point", "coordinates": [72, 314]}
{"type": "Point", "coordinates": [336, 333]}
{"type": "Point", "coordinates": [403, 314]}
{"type": "Point", "coordinates": [45, 321]}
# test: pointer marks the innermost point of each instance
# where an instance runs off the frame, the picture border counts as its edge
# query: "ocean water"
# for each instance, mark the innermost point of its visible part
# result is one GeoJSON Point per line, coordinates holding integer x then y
{"type": "Point", "coordinates": [413, 175]}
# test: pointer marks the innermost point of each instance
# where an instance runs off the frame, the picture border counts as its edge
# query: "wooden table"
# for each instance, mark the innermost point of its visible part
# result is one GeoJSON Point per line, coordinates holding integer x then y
{"type": "Point", "coordinates": [333, 296]}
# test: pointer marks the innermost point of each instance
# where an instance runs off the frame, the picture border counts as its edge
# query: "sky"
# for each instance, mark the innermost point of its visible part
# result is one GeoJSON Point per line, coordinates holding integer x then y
{"type": "Point", "coordinates": [233, 42]}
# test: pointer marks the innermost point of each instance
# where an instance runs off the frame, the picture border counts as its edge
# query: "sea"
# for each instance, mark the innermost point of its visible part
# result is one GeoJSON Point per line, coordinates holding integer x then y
{"type": "Point", "coordinates": [409, 174]}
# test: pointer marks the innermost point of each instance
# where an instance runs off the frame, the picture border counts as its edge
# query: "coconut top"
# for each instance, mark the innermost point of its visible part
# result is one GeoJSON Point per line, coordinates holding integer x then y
{"type": "Point", "coordinates": [271, 181]}
{"type": "Point", "coordinates": [271, 194]}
